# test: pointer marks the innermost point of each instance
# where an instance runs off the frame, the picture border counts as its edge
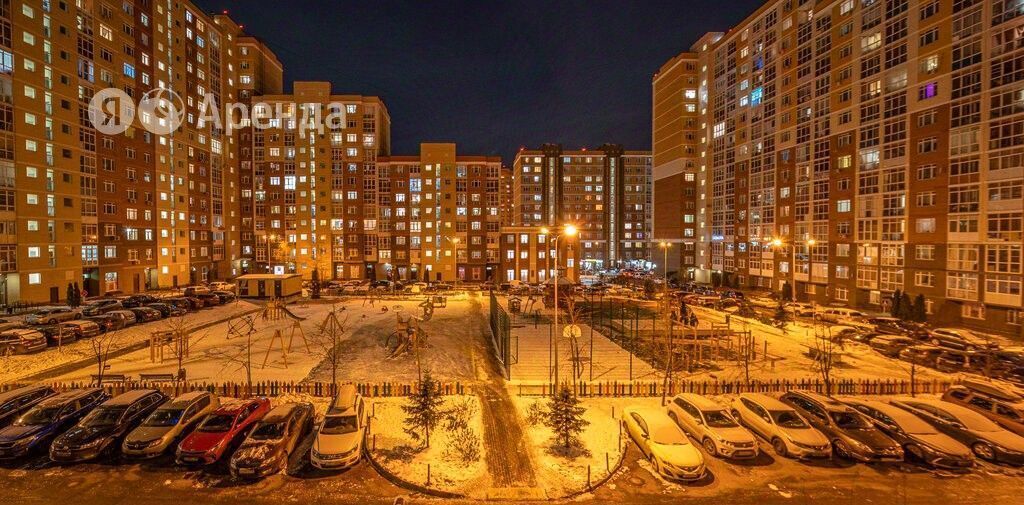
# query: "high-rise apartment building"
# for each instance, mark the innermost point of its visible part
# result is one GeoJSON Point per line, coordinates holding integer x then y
{"type": "Point", "coordinates": [605, 193]}
{"type": "Point", "coordinates": [113, 212]}
{"type": "Point", "coordinates": [853, 148]}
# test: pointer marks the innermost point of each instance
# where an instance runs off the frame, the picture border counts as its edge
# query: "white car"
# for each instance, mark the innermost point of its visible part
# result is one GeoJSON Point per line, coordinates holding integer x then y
{"type": "Point", "coordinates": [661, 441]}
{"type": "Point", "coordinates": [708, 422]}
{"type": "Point", "coordinates": [799, 309]}
{"type": "Point", "coordinates": [776, 422]}
{"type": "Point", "coordinates": [339, 439]}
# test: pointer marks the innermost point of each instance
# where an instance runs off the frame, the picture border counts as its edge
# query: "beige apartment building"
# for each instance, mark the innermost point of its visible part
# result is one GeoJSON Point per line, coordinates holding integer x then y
{"type": "Point", "coordinates": [604, 192]}
{"type": "Point", "coordinates": [853, 148]}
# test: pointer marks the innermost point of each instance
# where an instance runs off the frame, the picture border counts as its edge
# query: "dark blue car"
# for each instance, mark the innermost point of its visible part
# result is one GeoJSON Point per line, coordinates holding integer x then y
{"type": "Point", "coordinates": [37, 428]}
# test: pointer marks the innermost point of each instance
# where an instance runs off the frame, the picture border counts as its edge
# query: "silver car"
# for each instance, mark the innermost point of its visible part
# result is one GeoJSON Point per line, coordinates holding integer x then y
{"type": "Point", "coordinates": [709, 423]}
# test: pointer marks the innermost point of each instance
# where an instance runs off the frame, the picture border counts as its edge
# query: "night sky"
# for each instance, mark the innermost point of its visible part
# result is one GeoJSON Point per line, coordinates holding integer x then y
{"type": "Point", "coordinates": [490, 75]}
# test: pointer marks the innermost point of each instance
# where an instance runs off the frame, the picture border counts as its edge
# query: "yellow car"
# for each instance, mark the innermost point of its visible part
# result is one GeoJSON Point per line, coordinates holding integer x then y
{"type": "Point", "coordinates": [662, 442]}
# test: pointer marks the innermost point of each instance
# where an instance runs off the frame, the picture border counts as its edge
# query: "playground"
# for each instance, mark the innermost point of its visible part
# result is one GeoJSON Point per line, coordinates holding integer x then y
{"type": "Point", "coordinates": [375, 340]}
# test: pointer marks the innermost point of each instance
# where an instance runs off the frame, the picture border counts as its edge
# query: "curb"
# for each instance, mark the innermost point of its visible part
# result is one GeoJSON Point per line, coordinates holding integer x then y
{"type": "Point", "coordinates": [404, 484]}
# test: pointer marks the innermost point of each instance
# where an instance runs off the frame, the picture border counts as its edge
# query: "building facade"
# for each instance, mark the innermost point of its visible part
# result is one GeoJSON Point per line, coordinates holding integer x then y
{"type": "Point", "coordinates": [853, 148]}
{"type": "Point", "coordinates": [113, 212]}
{"type": "Point", "coordinates": [606, 193]}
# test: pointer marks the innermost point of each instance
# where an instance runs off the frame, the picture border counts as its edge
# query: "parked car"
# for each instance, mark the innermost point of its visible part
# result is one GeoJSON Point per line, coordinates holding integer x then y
{"type": "Point", "coordinates": [219, 430]}
{"type": "Point", "coordinates": [53, 315]}
{"type": "Point", "coordinates": [102, 430]}
{"type": "Point", "coordinates": [225, 296]}
{"type": "Point", "coordinates": [852, 436]}
{"type": "Point", "coordinates": [896, 326]}
{"type": "Point", "coordinates": [800, 309]}
{"type": "Point", "coordinates": [168, 424]}
{"type": "Point", "coordinates": [268, 446]}
{"type": "Point", "coordinates": [776, 422]}
{"type": "Point", "coordinates": [1002, 406]}
{"type": "Point", "coordinates": [920, 440]}
{"type": "Point", "coordinates": [839, 314]}
{"type": "Point", "coordinates": [146, 314]}
{"type": "Point", "coordinates": [709, 423]}
{"type": "Point", "coordinates": [661, 441]}
{"type": "Point", "coordinates": [46, 420]}
{"type": "Point", "coordinates": [209, 299]}
{"type": "Point", "coordinates": [222, 286]}
{"type": "Point", "coordinates": [167, 309]}
{"type": "Point", "coordinates": [15, 402]}
{"type": "Point", "coordinates": [339, 440]}
{"type": "Point", "coordinates": [104, 306]}
{"type": "Point", "coordinates": [193, 302]}
{"type": "Point", "coordinates": [56, 335]}
{"type": "Point", "coordinates": [196, 290]}
{"type": "Point", "coordinates": [985, 438]}
{"type": "Point", "coordinates": [82, 328]}
{"type": "Point", "coordinates": [955, 338]}
{"type": "Point", "coordinates": [179, 302]}
{"type": "Point", "coordinates": [891, 345]}
{"type": "Point", "coordinates": [130, 302]}
{"type": "Point", "coordinates": [924, 355]}
{"type": "Point", "coordinates": [21, 341]}
{"type": "Point", "coordinates": [122, 319]}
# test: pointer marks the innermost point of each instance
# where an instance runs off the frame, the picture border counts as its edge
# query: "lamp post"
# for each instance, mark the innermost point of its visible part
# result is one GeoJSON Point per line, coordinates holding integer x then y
{"type": "Point", "coordinates": [792, 265]}
{"type": "Point", "coordinates": [547, 256]}
{"type": "Point", "coordinates": [568, 231]}
{"type": "Point", "coordinates": [664, 269]}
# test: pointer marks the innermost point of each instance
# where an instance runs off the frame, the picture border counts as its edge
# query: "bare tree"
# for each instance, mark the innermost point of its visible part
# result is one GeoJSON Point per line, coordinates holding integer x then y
{"type": "Point", "coordinates": [183, 340]}
{"type": "Point", "coordinates": [243, 329]}
{"type": "Point", "coordinates": [326, 343]}
{"type": "Point", "coordinates": [670, 352]}
{"type": "Point", "coordinates": [825, 358]}
{"type": "Point", "coordinates": [99, 350]}
{"type": "Point", "coordinates": [746, 352]}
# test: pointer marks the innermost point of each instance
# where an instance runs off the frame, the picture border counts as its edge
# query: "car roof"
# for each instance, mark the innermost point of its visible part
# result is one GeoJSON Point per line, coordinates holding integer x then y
{"type": "Point", "coordinates": [281, 412]}
{"type": "Point", "coordinates": [344, 400]}
{"type": "Point", "coordinates": [820, 398]}
{"type": "Point", "coordinates": [235, 407]}
{"type": "Point", "coordinates": [652, 416]}
{"type": "Point", "coordinates": [886, 408]}
{"type": "Point", "coordinates": [184, 400]}
{"type": "Point", "coordinates": [701, 402]}
{"type": "Point", "coordinates": [68, 396]}
{"type": "Point", "coordinates": [129, 398]}
{"type": "Point", "coordinates": [14, 393]}
{"type": "Point", "coordinates": [768, 402]}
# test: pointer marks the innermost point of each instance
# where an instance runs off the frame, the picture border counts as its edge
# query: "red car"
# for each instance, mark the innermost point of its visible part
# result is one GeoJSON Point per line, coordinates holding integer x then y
{"type": "Point", "coordinates": [215, 434]}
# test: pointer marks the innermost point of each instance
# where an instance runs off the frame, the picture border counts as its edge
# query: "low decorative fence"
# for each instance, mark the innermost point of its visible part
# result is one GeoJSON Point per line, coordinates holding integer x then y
{"type": "Point", "coordinates": [268, 388]}
{"type": "Point", "coordinates": [861, 387]}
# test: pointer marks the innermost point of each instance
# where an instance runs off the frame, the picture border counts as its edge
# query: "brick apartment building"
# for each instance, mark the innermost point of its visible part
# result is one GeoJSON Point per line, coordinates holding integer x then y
{"type": "Point", "coordinates": [605, 193]}
{"type": "Point", "coordinates": [853, 148]}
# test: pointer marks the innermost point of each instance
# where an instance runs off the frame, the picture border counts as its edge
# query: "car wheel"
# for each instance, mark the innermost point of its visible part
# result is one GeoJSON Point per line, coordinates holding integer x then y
{"type": "Point", "coordinates": [780, 447]}
{"type": "Point", "coordinates": [654, 463]}
{"type": "Point", "coordinates": [52, 321]}
{"type": "Point", "coordinates": [984, 451]}
{"type": "Point", "coordinates": [936, 342]}
{"type": "Point", "coordinates": [840, 450]}
{"type": "Point", "coordinates": [914, 451]}
{"type": "Point", "coordinates": [709, 446]}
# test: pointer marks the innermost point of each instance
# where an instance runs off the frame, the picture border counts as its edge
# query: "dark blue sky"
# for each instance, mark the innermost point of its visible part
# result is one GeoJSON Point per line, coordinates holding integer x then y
{"type": "Point", "coordinates": [490, 75]}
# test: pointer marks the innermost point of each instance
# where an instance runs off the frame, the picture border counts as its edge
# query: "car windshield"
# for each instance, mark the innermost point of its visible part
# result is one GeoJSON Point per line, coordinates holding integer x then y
{"type": "Point", "coordinates": [103, 416]}
{"type": "Point", "coordinates": [668, 434]}
{"type": "Point", "coordinates": [719, 419]}
{"type": "Point", "coordinates": [163, 417]}
{"type": "Point", "coordinates": [43, 414]}
{"type": "Point", "coordinates": [788, 419]}
{"type": "Point", "coordinates": [849, 420]}
{"type": "Point", "coordinates": [268, 431]}
{"type": "Point", "coordinates": [216, 423]}
{"type": "Point", "coordinates": [339, 425]}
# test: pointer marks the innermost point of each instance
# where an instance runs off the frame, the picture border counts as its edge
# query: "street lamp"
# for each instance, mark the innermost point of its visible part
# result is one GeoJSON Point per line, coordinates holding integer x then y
{"type": "Point", "coordinates": [455, 243]}
{"type": "Point", "coordinates": [568, 231]}
{"type": "Point", "coordinates": [792, 265]}
{"type": "Point", "coordinates": [664, 247]}
{"type": "Point", "coordinates": [547, 256]}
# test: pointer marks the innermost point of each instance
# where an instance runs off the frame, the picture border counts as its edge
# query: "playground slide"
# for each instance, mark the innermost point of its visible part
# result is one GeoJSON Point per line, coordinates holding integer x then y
{"type": "Point", "coordinates": [289, 313]}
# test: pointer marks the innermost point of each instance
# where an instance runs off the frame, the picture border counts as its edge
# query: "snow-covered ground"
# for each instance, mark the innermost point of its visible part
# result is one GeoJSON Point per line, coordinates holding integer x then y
{"type": "Point", "coordinates": [406, 457]}
{"type": "Point", "coordinates": [13, 368]}
{"type": "Point", "coordinates": [218, 356]}
{"type": "Point", "coordinates": [561, 472]}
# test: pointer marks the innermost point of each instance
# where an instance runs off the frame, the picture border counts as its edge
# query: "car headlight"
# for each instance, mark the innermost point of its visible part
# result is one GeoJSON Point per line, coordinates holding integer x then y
{"type": "Point", "coordinates": [155, 443]}
{"type": "Point", "coordinates": [21, 442]}
{"type": "Point", "coordinates": [858, 445]}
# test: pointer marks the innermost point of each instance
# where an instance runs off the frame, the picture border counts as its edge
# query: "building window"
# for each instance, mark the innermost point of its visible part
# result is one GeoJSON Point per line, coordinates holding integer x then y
{"type": "Point", "coordinates": [972, 311]}
{"type": "Point", "coordinates": [35, 278]}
